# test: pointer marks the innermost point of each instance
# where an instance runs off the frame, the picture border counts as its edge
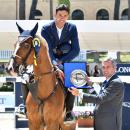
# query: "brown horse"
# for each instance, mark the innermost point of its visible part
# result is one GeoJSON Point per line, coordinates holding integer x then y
{"type": "Point", "coordinates": [49, 113]}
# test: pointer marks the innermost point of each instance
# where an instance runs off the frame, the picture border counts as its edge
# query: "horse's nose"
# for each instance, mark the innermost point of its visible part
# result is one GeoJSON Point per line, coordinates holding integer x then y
{"type": "Point", "coordinates": [9, 66]}
{"type": "Point", "coordinates": [8, 69]}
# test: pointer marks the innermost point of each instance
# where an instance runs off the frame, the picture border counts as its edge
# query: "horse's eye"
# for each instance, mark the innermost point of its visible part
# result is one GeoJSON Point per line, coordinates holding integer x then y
{"type": "Point", "coordinates": [26, 45]}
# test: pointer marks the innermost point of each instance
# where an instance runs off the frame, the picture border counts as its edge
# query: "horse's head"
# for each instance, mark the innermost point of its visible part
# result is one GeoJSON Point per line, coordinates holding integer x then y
{"type": "Point", "coordinates": [23, 49]}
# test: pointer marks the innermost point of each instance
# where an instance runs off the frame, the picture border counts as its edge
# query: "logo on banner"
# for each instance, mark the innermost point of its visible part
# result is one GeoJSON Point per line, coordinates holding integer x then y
{"type": "Point", "coordinates": [78, 78]}
{"type": "Point", "coordinates": [123, 69]}
{"type": "Point", "coordinates": [2, 100]}
{"type": "Point", "coordinates": [126, 104]}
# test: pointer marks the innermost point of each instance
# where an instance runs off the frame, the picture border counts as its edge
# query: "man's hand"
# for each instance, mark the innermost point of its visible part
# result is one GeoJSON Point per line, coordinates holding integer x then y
{"type": "Point", "coordinates": [88, 81]}
{"type": "Point", "coordinates": [12, 73]}
{"type": "Point", "coordinates": [74, 91]}
{"type": "Point", "coordinates": [59, 74]}
{"type": "Point", "coordinates": [59, 62]}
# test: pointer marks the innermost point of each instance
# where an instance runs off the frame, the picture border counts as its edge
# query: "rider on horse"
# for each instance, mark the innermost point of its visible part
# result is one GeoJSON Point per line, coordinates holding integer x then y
{"type": "Point", "coordinates": [63, 43]}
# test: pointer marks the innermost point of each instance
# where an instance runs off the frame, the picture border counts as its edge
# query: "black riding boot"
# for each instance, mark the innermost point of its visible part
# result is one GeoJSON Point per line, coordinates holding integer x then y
{"type": "Point", "coordinates": [69, 101]}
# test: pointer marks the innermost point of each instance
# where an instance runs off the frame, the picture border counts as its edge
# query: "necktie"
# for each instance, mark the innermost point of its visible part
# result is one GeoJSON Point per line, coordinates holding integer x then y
{"type": "Point", "coordinates": [103, 86]}
{"type": "Point", "coordinates": [104, 83]}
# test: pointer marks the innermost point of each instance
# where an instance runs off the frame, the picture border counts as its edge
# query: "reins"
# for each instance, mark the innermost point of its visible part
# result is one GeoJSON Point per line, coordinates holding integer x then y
{"type": "Point", "coordinates": [37, 77]}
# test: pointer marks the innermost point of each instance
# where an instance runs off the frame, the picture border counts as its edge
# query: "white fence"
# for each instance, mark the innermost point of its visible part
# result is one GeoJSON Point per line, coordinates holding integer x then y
{"type": "Point", "coordinates": [5, 54]}
{"type": "Point", "coordinates": [7, 99]}
{"type": "Point", "coordinates": [82, 25]}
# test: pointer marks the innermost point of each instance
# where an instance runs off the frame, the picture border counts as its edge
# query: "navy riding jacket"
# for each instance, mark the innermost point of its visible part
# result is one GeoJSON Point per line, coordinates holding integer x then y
{"type": "Point", "coordinates": [68, 44]}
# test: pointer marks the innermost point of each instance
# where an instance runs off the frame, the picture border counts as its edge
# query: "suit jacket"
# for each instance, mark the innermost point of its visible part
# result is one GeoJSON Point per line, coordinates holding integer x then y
{"type": "Point", "coordinates": [108, 110]}
{"type": "Point", "coordinates": [69, 36]}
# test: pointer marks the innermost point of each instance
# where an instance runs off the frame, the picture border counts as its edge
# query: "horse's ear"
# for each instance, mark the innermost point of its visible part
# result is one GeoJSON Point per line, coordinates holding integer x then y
{"type": "Point", "coordinates": [34, 30]}
{"type": "Point", "coordinates": [19, 28]}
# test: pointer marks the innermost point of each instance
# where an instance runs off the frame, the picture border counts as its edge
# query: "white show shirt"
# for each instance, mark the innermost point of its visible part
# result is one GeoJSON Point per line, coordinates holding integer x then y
{"type": "Point", "coordinates": [59, 31]}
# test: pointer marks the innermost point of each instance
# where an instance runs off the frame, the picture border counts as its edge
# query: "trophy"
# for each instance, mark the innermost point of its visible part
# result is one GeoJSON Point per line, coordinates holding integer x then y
{"type": "Point", "coordinates": [78, 78]}
{"type": "Point", "coordinates": [75, 74]}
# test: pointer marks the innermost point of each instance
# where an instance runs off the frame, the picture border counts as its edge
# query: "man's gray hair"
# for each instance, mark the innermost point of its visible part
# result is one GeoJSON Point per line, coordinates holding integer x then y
{"type": "Point", "coordinates": [113, 61]}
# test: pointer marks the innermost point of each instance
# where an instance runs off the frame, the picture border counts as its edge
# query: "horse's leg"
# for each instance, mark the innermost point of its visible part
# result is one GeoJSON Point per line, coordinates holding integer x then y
{"type": "Point", "coordinates": [32, 126]}
{"type": "Point", "coordinates": [63, 126]}
{"type": "Point", "coordinates": [52, 126]}
{"type": "Point", "coordinates": [32, 114]}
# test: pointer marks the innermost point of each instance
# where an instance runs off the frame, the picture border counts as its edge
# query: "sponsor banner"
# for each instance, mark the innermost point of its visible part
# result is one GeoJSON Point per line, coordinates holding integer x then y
{"type": "Point", "coordinates": [126, 108]}
{"type": "Point", "coordinates": [7, 99]}
{"type": "Point", "coordinates": [123, 69]}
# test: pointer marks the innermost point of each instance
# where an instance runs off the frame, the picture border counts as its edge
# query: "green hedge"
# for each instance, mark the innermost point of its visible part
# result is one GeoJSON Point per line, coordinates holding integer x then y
{"type": "Point", "coordinates": [7, 87]}
{"type": "Point", "coordinates": [67, 2]}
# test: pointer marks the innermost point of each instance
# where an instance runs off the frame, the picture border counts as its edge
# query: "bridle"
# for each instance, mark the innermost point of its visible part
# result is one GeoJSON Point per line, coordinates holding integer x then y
{"type": "Point", "coordinates": [23, 61]}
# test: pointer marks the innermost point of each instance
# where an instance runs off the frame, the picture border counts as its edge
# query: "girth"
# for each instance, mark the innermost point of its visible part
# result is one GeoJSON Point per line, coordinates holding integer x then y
{"type": "Point", "coordinates": [33, 88]}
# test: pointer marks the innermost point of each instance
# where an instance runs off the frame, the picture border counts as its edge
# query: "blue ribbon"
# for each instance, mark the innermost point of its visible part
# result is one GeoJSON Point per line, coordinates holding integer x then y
{"type": "Point", "coordinates": [36, 45]}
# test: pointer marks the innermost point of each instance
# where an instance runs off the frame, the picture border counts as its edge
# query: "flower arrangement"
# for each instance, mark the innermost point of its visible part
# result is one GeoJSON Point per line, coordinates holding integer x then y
{"type": "Point", "coordinates": [84, 119]}
{"type": "Point", "coordinates": [81, 114]}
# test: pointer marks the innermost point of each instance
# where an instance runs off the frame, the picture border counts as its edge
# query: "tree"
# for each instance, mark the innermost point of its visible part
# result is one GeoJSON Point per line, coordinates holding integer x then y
{"type": "Point", "coordinates": [116, 9]}
{"type": "Point", "coordinates": [67, 2]}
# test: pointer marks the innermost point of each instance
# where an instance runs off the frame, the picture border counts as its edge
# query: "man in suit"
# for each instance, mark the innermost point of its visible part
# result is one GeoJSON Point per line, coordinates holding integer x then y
{"type": "Point", "coordinates": [62, 39]}
{"type": "Point", "coordinates": [108, 110]}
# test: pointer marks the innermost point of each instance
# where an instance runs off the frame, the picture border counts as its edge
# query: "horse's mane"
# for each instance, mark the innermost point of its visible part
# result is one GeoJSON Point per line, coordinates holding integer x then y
{"type": "Point", "coordinates": [44, 51]}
